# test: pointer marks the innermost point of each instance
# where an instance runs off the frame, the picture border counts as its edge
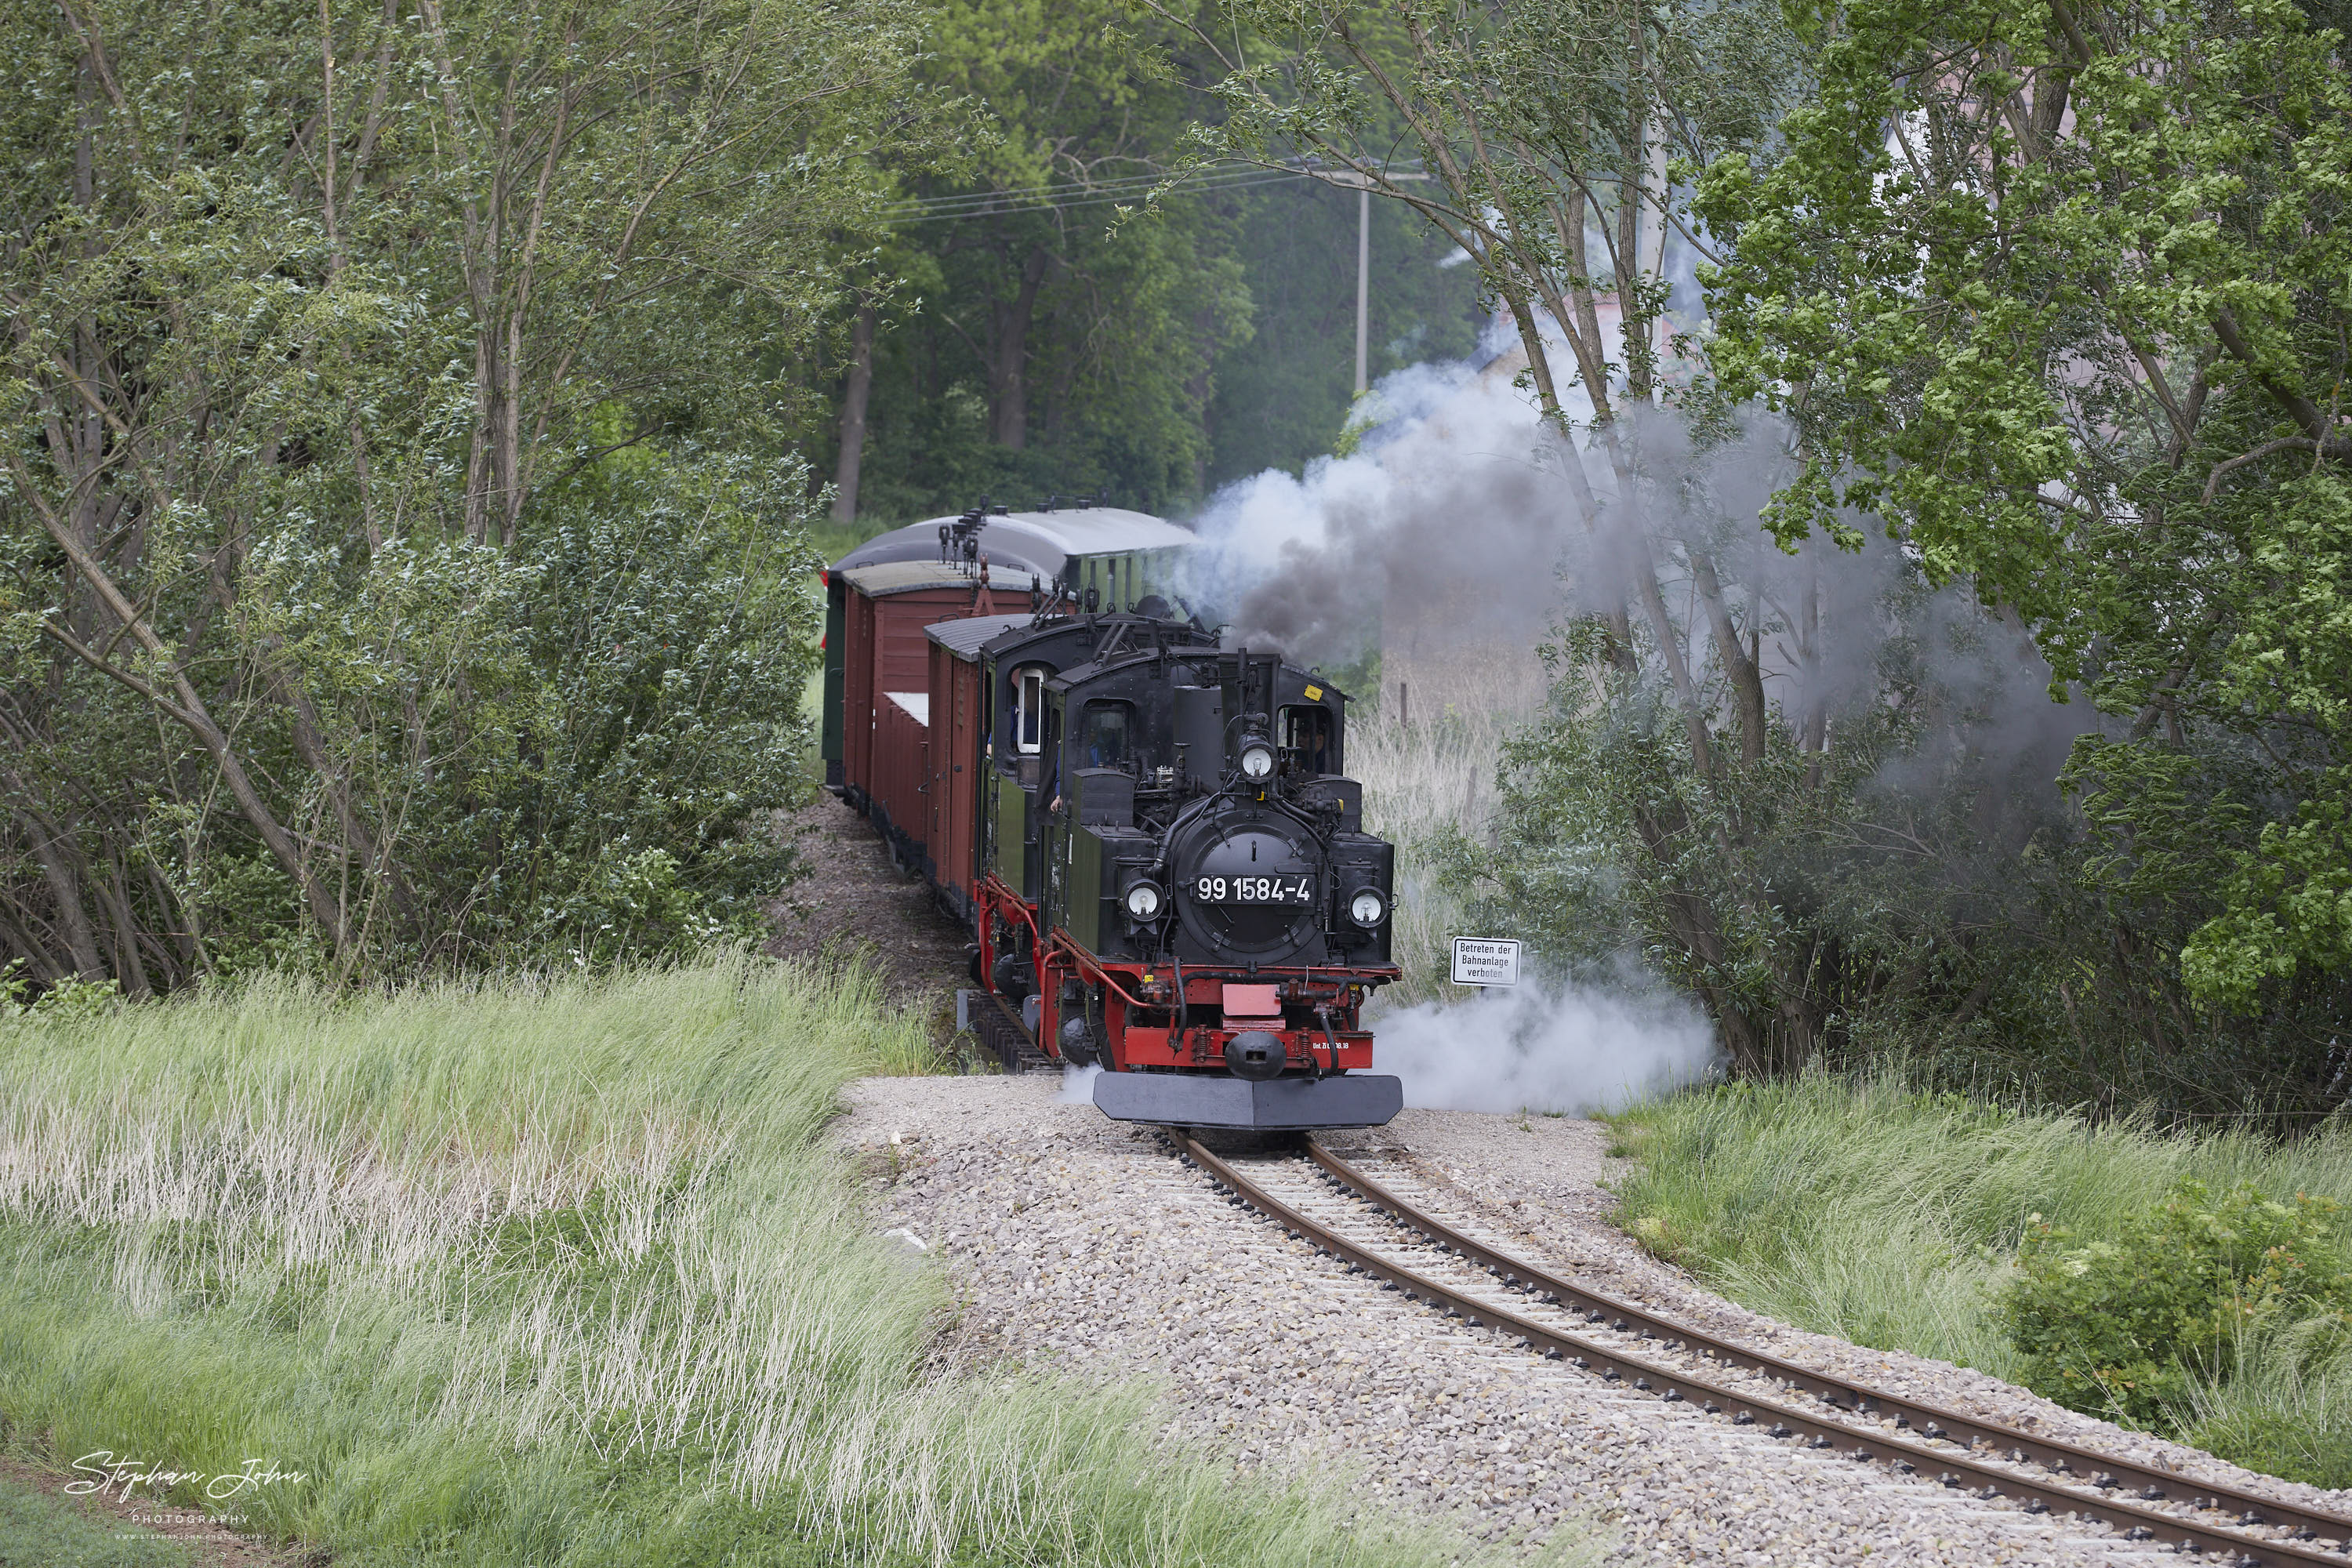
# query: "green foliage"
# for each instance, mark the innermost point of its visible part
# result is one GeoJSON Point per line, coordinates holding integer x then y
{"type": "Point", "coordinates": [2076, 329]}
{"type": "Point", "coordinates": [403, 563]}
{"type": "Point", "coordinates": [1102, 346]}
{"type": "Point", "coordinates": [1863, 1207]}
{"type": "Point", "coordinates": [2125, 1322]}
{"type": "Point", "coordinates": [37, 1531]}
{"type": "Point", "coordinates": [70, 998]}
{"type": "Point", "coordinates": [1046, 346]}
{"type": "Point", "coordinates": [1287, 396]}
{"type": "Point", "coordinates": [1920, 893]}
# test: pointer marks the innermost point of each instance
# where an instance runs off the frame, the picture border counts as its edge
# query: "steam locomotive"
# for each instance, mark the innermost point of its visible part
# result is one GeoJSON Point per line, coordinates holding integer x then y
{"type": "Point", "coordinates": [1151, 837]}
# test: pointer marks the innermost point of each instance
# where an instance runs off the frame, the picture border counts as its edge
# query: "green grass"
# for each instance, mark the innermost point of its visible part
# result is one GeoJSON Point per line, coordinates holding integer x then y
{"type": "Point", "coordinates": [555, 1272]}
{"type": "Point", "coordinates": [1888, 1217]}
{"type": "Point", "coordinates": [1424, 781]}
{"type": "Point", "coordinates": [40, 1532]}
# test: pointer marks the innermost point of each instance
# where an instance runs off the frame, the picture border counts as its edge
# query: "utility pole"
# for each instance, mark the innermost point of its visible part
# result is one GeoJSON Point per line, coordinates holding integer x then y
{"type": "Point", "coordinates": [1363, 288]}
{"type": "Point", "coordinates": [1363, 189]}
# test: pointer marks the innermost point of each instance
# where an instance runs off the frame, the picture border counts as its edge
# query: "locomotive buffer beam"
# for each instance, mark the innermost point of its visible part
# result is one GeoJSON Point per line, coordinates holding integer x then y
{"type": "Point", "coordinates": [1188, 1100]}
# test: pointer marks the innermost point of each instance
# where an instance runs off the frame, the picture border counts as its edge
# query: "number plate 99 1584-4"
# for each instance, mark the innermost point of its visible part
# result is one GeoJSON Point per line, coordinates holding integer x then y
{"type": "Point", "coordinates": [1255, 889]}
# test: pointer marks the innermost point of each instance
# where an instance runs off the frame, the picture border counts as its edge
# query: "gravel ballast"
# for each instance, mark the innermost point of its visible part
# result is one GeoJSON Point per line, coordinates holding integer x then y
{"type": "Point", "coordinates": [1082, 1244]}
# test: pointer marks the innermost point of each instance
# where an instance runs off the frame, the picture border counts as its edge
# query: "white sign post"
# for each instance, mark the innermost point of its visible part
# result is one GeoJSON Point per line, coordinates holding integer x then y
{"type": "Point", "coordinates": [1483, 961]}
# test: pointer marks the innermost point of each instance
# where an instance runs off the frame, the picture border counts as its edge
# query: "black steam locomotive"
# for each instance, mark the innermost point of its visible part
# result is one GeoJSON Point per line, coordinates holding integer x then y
{"type": "Point", "coordinates": [1164, 868]}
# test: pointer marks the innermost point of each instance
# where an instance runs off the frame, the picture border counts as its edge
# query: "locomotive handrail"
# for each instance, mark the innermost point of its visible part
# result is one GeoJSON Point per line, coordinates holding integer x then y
{"type": "Point", "coordinates": [1086, 960]}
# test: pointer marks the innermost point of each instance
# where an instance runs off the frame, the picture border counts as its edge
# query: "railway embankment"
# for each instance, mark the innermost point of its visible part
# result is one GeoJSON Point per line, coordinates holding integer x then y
{"type": "Point", "coordinates": [1087, 1247]}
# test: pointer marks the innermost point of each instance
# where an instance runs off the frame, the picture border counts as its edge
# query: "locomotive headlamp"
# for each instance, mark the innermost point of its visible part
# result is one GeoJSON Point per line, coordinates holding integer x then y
{"type": "Point", "coordinates": [1257, 760]}
{"type": "Point", "coordinates": [1367, 908]}
{"type": "Point", "coordinates": [1143, 900]}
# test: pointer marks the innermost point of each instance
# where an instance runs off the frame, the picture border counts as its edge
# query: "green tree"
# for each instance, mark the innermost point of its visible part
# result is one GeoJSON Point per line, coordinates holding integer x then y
{"type": "Point", "coordinates": [1547, 129]}
{"type": "Point", "coordinates": [2061, 289]}
{"type": "Point", "coordinates": [393, 489]}
{"type": "Point", "coordinates": [1044, 344]}
{"type": "Point", "coordinates": [1284, 397]}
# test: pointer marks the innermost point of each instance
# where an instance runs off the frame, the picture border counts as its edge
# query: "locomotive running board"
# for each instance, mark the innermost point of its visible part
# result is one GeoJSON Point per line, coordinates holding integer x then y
{"type": "Point", "coordinates": [1185, 1100]}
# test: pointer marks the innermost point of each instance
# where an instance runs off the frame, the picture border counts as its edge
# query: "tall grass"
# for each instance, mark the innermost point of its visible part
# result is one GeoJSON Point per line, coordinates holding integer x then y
{"type": "Point", "coordinates": [548, 1272]}
{"type": "Point", "coordinates": [1861, 1209]}
{"type": "Point", "coordinates": [1426, 754]}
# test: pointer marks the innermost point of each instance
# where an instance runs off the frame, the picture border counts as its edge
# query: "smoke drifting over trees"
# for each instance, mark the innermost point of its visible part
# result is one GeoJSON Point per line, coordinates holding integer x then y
{"type": "Point", "coordinates": [1714, 794]}
{"type": "Point", "coordinates": [1826, 786]}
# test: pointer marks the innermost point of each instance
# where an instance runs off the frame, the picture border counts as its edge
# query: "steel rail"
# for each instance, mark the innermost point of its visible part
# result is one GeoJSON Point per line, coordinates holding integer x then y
{"type": "Point", "coordinates": [1840, 1392]}
{"type": "Point", "coordinates": [1981, 1477]}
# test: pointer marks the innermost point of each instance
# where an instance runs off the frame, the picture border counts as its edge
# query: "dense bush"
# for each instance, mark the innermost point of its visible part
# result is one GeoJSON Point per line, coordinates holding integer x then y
{"type": "Point", "coordinates": [2126, 1322]}
{"type": "Point", "coordinates": [1902, 849]}
{"type": "Point", "coordinates": [378, 589]}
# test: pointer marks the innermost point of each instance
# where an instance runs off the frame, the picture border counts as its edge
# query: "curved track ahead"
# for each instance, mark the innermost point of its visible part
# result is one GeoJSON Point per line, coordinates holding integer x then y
{"type": "Point", "coordinates": [1413, 1251]}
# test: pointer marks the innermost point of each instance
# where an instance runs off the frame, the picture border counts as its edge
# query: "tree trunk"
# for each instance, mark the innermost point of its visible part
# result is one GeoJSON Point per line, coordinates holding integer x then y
{"type": "Point", "coordinates": [1008, 378]}
{"type": "Point", "coordinates": [1739, 668]}
{"type": "Point", "coordinates": [853, 416]}
{"type": "Point", "coordinates": [38, 961]}
{"type": "Point", "coordinates": [1813, 728]}
{"type": "Point", "coordinates": [60, 868]}
{"type": "Point", "coordinates": [1629, 223]}
{"type": "Point", "coordinates": [179, 699]}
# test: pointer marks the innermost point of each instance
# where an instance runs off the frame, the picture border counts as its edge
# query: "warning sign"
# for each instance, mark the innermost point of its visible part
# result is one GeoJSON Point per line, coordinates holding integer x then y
{"type": "Point", "coordinates": [1485, 961]}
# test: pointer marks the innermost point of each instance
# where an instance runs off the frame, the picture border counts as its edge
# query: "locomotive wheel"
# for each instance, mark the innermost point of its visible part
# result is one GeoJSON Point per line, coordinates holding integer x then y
{"type": "Point", "coordinates": [1014, 977]}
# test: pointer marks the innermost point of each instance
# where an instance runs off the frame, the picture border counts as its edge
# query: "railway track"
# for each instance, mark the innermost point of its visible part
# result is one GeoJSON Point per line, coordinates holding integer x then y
{"type": "Point", "coordinates": [1001, 1030]}
{"type": "Point", "coordinates": [1376, 1230]}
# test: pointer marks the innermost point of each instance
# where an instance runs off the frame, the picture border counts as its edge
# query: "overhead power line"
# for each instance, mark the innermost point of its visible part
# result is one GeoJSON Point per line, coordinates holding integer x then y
{"type": "Point", "coordinates": [1037, 198]}
{"type": "Point", "coordinates": [1081, 194]}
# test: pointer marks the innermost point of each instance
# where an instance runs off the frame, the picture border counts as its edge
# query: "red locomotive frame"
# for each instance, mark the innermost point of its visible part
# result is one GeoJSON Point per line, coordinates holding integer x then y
{"type": "Point", "coordinates": [1166, 1041]}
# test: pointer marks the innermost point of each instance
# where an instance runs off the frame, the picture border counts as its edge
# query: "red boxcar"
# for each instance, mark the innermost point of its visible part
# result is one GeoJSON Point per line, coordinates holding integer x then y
{"type": "Point", "coordinates": [958, 723]}
{"type": "Point", "coordinates": [888, 681]}
{"type": "Point", "coordinates": [885, 686]}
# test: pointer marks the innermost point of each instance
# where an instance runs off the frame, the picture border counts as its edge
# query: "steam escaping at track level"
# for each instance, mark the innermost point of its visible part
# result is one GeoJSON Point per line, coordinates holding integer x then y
{"type": "Point", "coordinates": [1563, 1049]}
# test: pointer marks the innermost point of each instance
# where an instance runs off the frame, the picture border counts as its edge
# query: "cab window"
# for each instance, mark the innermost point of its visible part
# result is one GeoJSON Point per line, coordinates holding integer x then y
{"type": "Point", "coordinates": [1029, 711]}
{"type": "Point", "coordinates": [1104, 735]}
{"type": "Point", "coordinates": [1306, 740]}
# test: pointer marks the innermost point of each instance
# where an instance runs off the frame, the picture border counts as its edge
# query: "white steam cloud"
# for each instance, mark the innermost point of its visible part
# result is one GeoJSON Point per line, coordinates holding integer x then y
{"type": "Point", "coordinates": [1571, 1049]}
{"type": "Point", "coordinates": [1078, 1084]}
{"type": "Point", "coordinates": [1447, 499]}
